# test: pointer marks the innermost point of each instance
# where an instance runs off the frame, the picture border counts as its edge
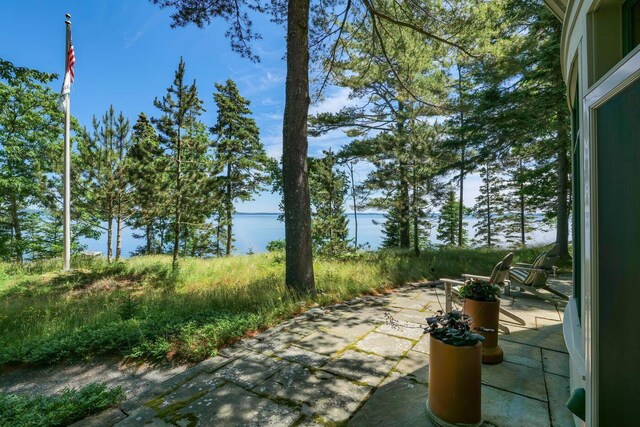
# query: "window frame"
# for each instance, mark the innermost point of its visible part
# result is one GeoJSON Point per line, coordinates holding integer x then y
{"type": "Point", "coordinates": [627, 26]}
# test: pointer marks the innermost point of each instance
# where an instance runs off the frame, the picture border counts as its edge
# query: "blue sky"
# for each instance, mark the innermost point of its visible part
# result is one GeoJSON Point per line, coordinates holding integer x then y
{"type": "Point", "coordinates": [126, 54]}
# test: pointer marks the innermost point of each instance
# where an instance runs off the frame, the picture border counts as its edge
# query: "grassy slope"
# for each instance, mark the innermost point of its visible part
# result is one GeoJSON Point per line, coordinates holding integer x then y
{"type": "Point", "coordinates": [60, 410]}
{"type": "Point", "coordinates": [140, 309]}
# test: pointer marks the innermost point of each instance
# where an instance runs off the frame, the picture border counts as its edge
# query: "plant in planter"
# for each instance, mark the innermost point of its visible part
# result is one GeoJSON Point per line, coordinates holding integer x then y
{"type": "Point", "coordinates": [481, 302]}
{"type": "Point", "coordinates": [454, 370]}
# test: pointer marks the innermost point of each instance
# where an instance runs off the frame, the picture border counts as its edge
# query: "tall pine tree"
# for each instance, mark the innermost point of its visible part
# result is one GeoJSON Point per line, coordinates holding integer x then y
{"type": "Point", "coordinates": [180, 109]}
{"type": "Point", "coordinates": [239, 151]}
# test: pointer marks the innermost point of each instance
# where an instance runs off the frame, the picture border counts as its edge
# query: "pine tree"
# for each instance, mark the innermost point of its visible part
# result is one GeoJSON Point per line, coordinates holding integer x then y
{"type": "Point", "coordinates": [329, 188]}
{"type": "Point", "coordinates": [30, 130]}
{"type": "Point", "coordinates": [447, 231]}
{"type": "Point", "coordinates": [123, 188]}
{"type": "Point", "coordinates": [489, 206]}
{"type": "Point", "coordinates": [180, 109]}
{"type": "Point", "coordinates": [147, 167]}
{"type": "Point", "coordinates": [520, 219]}
{"type": "Point", "coordinates": [100, 177]}
{"type": "Point", "coordinates": [239, 151]}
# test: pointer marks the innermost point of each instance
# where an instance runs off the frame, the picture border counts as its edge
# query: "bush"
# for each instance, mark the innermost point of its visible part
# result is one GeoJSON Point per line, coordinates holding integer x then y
{"type": "Point", "coordinates": [276, 246]}
{"type": "Point", "coordinates": [62, 409]}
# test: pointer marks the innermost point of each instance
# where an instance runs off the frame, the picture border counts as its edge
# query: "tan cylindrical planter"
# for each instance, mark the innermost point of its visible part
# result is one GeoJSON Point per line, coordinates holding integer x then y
{"type": "Point", "coordinates": [485, 314]}
{"type": "Point", "coordinates": [454, 397]}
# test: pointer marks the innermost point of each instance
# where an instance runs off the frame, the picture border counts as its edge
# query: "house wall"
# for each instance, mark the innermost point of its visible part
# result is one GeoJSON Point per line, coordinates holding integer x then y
{"type": "Point", "coordinates": [596, 72]}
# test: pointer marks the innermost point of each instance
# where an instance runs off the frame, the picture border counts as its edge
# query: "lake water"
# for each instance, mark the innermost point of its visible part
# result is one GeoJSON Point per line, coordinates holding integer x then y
{"type": "Point", "coordinates": [252, 232]}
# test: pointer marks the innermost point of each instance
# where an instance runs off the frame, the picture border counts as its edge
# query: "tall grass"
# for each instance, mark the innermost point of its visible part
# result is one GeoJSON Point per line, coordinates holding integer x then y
{"type": "Point", "coordinates": [141, 309]}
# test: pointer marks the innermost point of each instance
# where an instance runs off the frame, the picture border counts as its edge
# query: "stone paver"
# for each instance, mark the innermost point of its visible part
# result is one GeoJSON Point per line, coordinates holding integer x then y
{"type": "Point", "coordinates": [412, 331]}
{"type": "Point", "coordinates": [515, 378]}
{"type": "Point", "coordinates": [398, 403]}
{"type": "Point", "coordinates": [558, 387]}
{"type": "Point", "coordinates": [423, 345]}
{"type": "Point", "coordinates": [521, 354]}
{"type": "Point", "coordinates": [332, 398]}
{"type": "Point", "coordinates": [412, 316]}
{"type": "Point", "coordinates": [415, 365]}
{"type": "Point", "coordinates": [249, 370]}
{"type": "Point", "coordinates": [363, 367]}
{"type": "Point", "coordinates": [502, 408]}
{"type": "Point", "coordinates": [346, 364]}
{"type": "Point", "coordinates": [231, 405]}
{"type": "Point", "coordinates": [384, 345]}
{"type": "Point", "coordinates": [323, 343]}
{"type": "Point", "coordinates": [549, 337]}
{"type": "Point", "coordinates": [302, 356]}
{"type": "Point", "coordinates": [555, 362]}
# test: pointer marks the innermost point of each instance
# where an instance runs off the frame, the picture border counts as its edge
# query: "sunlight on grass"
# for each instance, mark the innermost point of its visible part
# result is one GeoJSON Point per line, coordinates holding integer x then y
{"type": "Point", "coordinates": [141, 309]}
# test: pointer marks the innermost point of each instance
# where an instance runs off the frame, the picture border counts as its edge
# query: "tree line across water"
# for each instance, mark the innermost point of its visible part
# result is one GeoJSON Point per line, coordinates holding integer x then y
{"type": "Point", "coordinates": [425, 115]}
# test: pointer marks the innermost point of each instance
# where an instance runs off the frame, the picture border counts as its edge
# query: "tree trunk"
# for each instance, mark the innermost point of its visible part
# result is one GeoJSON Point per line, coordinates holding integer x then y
{"type": "Point", "coordinates": [297, 210]}
{"type": "Point", "coordinates": [17, 230]}
{"type": "Point", "coordinates": [462, 163]}
{"type": "Point", "coordinates": [218, 237]}
{"type": "Point", "coordinates": [178, 207]}
{"type": "Point", "coordinates": [405, 201]}
{"type": "Point", "coordinates": [109, 238]}
{"type": "Point", "coordinates": [414, 210]}
{"type": "Point", "coordinates": [119, 230]}
{"type": "Point", "coordinates": [148, 237]}
{"type": "Point", "coordinates": [562, 224]}
{"type": "Point", "coordinates": [355, 204]}
{"type": "Point", "coordinates": [229, 211]}
{"type": "Point", "coordinates": [488, 189]}
{"type": "Point", "coordinates": [161, 240]}
{"type": "Point", "coordinates": [405, 210]}
{"type": "Point", "coordinates": [522, 216]}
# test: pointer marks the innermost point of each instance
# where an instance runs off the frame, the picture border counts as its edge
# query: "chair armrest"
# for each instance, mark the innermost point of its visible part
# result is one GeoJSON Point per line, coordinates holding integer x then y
{"type": "Point", "coordinates": [537, 270]}
{"type": "Point", "coordinates": [475, 276]}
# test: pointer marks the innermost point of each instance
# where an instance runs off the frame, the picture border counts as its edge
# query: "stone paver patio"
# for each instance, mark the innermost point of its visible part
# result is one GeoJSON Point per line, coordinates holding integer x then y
{"type": "Point", "coordinates": [345, 365]}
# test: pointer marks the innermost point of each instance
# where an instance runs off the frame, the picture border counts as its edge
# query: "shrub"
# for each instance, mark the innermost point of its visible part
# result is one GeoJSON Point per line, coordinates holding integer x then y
{"type": "Point", "coordinates": [62, 409]}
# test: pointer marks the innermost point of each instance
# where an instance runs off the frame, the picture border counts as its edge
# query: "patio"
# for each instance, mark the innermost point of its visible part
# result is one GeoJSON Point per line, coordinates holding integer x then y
{"type": "Point", "coordinates": [346, 364]}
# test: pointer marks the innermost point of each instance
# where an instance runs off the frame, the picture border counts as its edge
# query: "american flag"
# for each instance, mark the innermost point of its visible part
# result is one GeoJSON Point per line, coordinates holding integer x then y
{"type": "Point", "coordinates": [71, 59]}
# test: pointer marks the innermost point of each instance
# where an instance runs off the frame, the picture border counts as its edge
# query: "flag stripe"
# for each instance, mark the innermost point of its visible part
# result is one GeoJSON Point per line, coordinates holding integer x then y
{"type": "Point", "coordinates": [71, 60]}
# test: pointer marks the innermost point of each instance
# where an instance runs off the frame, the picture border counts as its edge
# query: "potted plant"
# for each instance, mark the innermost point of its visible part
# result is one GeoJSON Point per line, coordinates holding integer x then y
{"type": "Point", "coordinates": [454, 370]}
{"type": "Point", "coordinates": [481, 302]}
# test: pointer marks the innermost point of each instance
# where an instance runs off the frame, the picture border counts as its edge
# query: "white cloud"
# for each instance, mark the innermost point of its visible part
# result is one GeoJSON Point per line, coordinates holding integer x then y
{"type": "Point", "coordinates": [338, 99]}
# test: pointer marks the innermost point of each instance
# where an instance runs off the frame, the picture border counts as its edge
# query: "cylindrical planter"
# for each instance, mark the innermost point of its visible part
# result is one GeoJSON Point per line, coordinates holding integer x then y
{"type": "Point", "coordinates": [454, 397]}
{"type": "Point", "coordinates": [485, 314]}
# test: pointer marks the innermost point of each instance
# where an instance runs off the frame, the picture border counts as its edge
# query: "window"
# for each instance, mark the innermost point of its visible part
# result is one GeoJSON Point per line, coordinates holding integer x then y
{"type": "Point", "coordinates": [630, 25]}
{"type": "Point", "coordinates": [576, 180]}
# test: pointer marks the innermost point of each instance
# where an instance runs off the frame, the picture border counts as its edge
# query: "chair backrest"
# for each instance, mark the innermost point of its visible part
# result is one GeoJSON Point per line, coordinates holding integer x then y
{"type": "Point", "coordinates": [500, 272]}
{"type": "Point", "coordinates": [545, 261]}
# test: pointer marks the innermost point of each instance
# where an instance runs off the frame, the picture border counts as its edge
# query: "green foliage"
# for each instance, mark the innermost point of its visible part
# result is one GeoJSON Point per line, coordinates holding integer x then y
{"type": "Point", "coordinates": [148, 177]}
{"type": "Point", "coordinates": [239, 151]}
{"type": "Point", "coordinates": [489, 205]}
{"type": "Point", "coordinates": [30, 160]}
{"type": "Point", "coordinates": [478, 290]}
{"type": "Point", "coordinates": [61, 409]}
{"type": "Point", "coordinates": [192, 187]}
{"type": "Point", "coordinates": [276, 246]}
{"type": "Point", "coordinates": [328, 188]}
{"type": "Point", "coordinates": [453, 328]}
{"type": "Point", "coordinates": [142, 309]}
{"type": "Point", "coordinates": [448, 230]}
{"type": "Point", "coordinates": [105, 196]}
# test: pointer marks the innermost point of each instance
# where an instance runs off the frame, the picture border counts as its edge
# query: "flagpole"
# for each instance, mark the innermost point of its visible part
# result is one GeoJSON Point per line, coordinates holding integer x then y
{"type": "Point", "coordinates": [67, 161]}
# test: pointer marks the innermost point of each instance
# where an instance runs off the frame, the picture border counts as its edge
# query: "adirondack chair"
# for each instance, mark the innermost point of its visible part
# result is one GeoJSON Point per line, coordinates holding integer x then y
{"type": "Point", "coordinates": [499, 276]}
{"type": "Point", "coordinates": [533, 277]}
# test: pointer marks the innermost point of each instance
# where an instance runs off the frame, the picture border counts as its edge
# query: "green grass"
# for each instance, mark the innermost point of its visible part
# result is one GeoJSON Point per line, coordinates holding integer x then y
{"type": "Point", "coordinates": [141, 309]}
{"type": "Point", "coordinates": [59, 410]}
